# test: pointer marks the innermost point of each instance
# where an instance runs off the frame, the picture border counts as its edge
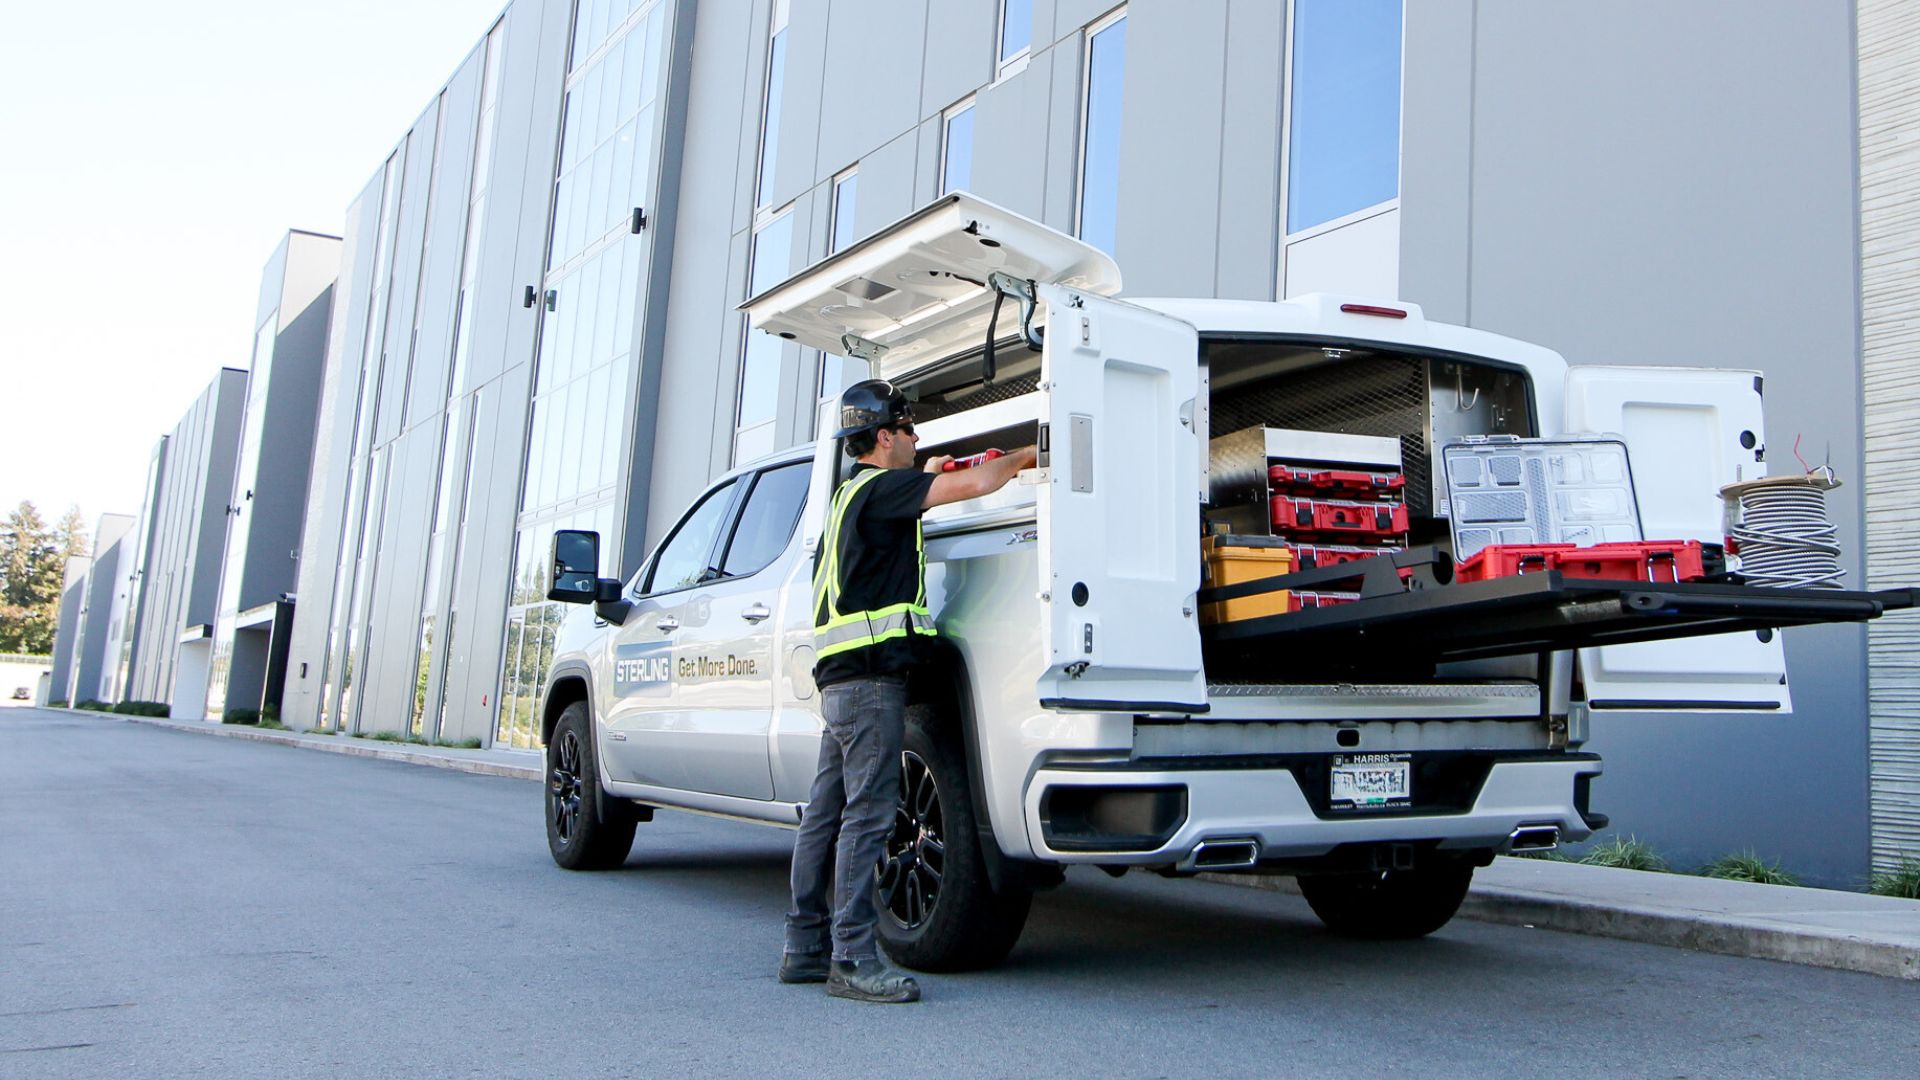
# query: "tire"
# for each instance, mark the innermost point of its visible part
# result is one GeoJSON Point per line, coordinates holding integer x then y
{"type": "Point", "coordinates": [1390, 904]}
{"type": "Point", "coordinates": [938, 910]}
{"type": "Point", "coordinates": [578, 837]}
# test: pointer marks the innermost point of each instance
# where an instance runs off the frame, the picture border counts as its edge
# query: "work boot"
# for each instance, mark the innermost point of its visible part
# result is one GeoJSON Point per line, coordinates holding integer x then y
{"type": "Point", "coordinates": [871, 980]}
{"type": "Point", "coordinates": [798, 967]}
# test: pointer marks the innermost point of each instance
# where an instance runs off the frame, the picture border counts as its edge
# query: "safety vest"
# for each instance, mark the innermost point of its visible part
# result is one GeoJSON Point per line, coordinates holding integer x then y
{"type": "Point", "coordinates": [836, 631]}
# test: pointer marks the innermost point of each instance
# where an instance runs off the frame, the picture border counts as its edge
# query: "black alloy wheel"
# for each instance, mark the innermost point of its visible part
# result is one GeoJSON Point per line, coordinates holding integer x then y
{"type": "Point", "coordinates": [939, 910]}
{"type": "Point", "coordinates": [585, 830]}
{"type": "Point", "coordinates": [915, 862]}
{"type": "Point", "coordinates": [564, 785]}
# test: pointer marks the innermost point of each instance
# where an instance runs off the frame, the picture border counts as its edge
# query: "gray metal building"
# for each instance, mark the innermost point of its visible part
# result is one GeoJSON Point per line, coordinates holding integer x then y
{"type": "Point", "coordinates": [535, 328]}
{"type": "Point", "coordinates": [103, 600]}
{"type": "Point", "coordinates": [268, 499]}
{"type": "Point", "coordinates": [66, 629]}
{"type": "Point", "coordinates": [172, 628]}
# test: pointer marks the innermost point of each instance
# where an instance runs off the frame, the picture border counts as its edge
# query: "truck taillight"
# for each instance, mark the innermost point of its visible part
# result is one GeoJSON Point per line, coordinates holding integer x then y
{"type": "Point", "coordinates": [1373, 309]}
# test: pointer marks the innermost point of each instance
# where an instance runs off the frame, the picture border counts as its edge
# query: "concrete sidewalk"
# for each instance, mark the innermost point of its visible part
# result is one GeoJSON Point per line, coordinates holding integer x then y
{"type": "Point", "coordinates": [1819, 927]}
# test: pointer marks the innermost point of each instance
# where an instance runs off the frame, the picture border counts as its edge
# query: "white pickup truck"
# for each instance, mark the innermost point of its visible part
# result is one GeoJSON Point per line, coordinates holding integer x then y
{"type": "Point", "coordinates": [1074, 709]}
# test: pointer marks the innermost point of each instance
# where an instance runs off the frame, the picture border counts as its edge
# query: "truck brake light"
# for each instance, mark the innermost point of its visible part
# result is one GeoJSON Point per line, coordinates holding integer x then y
{"type": "Point", "coordinates": [1373, 309]}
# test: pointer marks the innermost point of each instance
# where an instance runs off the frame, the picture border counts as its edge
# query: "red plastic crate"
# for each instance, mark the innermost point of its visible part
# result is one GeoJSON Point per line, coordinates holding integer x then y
{"type": "Point", "coordinates": [1327, 518]}
{"type": "Point", "coordinates": [1656, 561]}
{"type": "Point", "coordinates": [1298, 480]}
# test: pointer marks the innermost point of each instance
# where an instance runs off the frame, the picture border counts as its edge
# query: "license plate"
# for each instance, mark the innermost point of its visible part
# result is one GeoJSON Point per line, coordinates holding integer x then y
{"type": "Point", "coordinates": [1372, 780]}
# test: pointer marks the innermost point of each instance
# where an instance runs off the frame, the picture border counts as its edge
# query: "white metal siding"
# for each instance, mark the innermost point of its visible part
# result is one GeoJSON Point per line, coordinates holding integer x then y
{"type": "Point", "coordinates": [1889, 44]}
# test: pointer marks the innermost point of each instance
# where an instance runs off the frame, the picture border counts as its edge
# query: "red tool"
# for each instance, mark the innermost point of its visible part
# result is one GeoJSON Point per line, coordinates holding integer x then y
{"type": "Point", "coordinates": [1322, 518]}
{"type": "Point", "coordinates": [970, 461]}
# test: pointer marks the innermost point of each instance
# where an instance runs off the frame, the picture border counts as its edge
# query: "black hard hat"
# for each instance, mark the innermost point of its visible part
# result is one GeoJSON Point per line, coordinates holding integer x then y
{"type": "Point", "coordinates": [874, 403]}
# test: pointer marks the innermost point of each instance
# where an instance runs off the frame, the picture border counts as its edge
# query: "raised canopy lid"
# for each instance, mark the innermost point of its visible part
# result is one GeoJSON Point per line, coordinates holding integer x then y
{"type": "Point", "coordinates": [917, 289]}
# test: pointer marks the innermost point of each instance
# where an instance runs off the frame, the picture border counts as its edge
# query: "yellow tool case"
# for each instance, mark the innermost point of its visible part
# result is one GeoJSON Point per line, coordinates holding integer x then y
{"type": "Point", "coordinates": [1234, 560]}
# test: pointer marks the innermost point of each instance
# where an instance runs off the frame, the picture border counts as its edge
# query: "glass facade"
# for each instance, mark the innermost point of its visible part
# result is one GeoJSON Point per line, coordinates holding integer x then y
{"type": "Point", "coordinates": [770, 108]}
{"type": "Point", "coordinates": [1100, 145]}
{"type": "Point", "coordinates": [584, 372]}
{"type": "Point", "coordinates": [1343, 125]}
{"type": "Point", "coordinates": [769, 265]}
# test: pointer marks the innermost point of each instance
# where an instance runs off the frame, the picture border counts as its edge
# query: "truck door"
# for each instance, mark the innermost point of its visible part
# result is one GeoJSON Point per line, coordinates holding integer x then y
{"type": "Point", "coordinates": [1119, 512]}
{"type": "Point", "coordinates": [1688, 433]}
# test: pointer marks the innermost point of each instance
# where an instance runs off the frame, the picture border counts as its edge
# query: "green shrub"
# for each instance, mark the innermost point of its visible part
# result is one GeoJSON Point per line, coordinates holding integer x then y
{"type": "Point", "coordinates": [1748, 866]}
{"type": "Point", "coordinates": [57, 703]}
{"type": "Point", "coordinates": [270, 715]}
{"type": "Point", "coordinates": [1547, 855]}
{"type": "Point", "coordinates": [93, 705]}
{"type": "Point", "coordinates": [322, 731]}
{"type": "Point", "coordinates": [460, 744]}
{"type": "Point", "coordinates": [384, 736]}
{"type": "Point", "coordinates": [273, 725]}
{"type": "Point", "coordinates": [240, 716]}
{"type": "Point", "coordinates": [1902, 881]}
{"type": "Point", "coordinates": [1625, 853]}
{"type": "Point", "coordinates": [142, 708]}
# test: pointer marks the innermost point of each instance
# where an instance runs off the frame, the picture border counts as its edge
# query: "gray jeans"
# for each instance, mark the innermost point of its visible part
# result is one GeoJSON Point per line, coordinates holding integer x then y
{"type": "Point", "coordinates": [856, 792]}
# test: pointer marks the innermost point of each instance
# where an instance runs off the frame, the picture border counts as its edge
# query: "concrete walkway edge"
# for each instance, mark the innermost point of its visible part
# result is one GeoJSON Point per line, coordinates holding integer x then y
{"type": "Point", "coordinates": [1816, 927]}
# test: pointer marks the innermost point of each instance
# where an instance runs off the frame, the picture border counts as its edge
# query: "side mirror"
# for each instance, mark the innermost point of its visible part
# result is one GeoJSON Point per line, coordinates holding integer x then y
{"type": "Point", "coordinates": [576, 567]}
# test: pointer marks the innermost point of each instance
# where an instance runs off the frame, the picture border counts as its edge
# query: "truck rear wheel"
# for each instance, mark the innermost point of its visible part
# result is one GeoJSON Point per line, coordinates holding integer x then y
{"type": "Point", "coordinates": [938, 910]}
{"type": "Point", "coordinates": [577, 835]}
{"type": "Point", "coordinates": [1391, 903]}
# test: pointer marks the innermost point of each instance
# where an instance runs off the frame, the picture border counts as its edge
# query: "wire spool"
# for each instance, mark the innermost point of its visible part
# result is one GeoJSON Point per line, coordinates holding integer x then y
{"type": "Point", "coordinates": [1779, 529]}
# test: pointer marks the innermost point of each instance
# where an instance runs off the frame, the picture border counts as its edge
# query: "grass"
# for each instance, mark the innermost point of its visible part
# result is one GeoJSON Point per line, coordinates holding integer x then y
{"type": "Point", "coordinates": [1902, 881]}
{"type": "Point", "coordinates": [1625, 853]}
{"type": "Point", "coordinates": [272, 725]}
{"type": "Point", "coordinates": [1548, 855]}
{"type": "Point", "coordinates": [1748, 866]}
{"type": "Point", "coordinates": [418, 740]}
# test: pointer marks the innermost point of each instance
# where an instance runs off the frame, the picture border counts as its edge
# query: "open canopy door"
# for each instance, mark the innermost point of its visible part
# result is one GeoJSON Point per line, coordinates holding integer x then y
{"type": "Point", "coordinates": [1688, 433]}
{"type": "Point", "coordinates": [1119, 511]}
{"type": "Point", "coordinates": [917, 290]}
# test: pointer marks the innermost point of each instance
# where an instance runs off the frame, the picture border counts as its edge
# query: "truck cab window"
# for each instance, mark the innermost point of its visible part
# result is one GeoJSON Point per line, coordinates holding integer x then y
{"type": "Point", "coordinates": [687, 555]}
{"type": "Point", "coordinates": [766, 524]}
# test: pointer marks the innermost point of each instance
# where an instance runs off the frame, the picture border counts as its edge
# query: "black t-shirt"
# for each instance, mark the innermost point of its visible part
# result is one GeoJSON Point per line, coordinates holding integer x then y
{"type": "Point", "coordinates": [879, 567]}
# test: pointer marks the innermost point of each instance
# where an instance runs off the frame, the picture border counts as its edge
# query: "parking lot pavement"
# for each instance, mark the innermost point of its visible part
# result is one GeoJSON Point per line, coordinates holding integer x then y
{"type": "Point", "coordinates": [173, 904]}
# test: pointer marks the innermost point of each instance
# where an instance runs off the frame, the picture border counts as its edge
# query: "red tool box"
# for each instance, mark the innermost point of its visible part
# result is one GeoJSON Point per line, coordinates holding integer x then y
{"type": "Point", "coordinates": [1646, 560]}
{"type": "Point", "coordinates": [1302, 480]}
{"type": "Point", "coordinates": [1314, 555]}
{"type": "Point", "coordinates": [1326, 518]}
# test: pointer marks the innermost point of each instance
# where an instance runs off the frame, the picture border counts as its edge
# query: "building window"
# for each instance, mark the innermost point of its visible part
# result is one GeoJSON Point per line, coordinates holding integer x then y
{"type": "Point", "coordinates": [1016, 35]}
{"type": "Point", "coordinates": [1100, 131]}
{"type": "Point", "coordinates": [846, 187]}
{"type": "Point", "coordinates": [1343, 123]}
{"type": "Point", "coordinates": [769, 264]}
{"type": "Point", "coordinates": [770, 102]}
{"type": "Point", "coordinates": [956, 150]}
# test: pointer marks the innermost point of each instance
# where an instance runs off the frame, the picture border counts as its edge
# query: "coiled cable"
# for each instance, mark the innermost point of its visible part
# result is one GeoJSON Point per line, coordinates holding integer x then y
{"type": "Point", "coordinates": [1782, 533]}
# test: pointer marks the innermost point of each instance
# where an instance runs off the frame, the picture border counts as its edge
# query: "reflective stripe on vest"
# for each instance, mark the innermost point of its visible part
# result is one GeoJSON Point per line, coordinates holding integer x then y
{"type": "Point", "coordinates": [836, 631]}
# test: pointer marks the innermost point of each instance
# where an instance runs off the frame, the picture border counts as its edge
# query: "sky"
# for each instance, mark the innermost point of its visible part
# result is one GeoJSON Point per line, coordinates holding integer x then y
{"type": "Point", "coordinates": [151, 158]}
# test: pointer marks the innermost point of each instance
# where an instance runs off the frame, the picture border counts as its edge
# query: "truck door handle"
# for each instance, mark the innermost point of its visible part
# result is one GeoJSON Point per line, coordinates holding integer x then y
{"type": "Point", "coordinates": [667, 624]}
{"type": "Point", "coordinates": [756, 613]}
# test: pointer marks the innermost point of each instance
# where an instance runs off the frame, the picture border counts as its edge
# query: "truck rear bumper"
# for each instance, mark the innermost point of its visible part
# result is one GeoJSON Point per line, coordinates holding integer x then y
{"type": "Point", "coordinates": [1198, 819]}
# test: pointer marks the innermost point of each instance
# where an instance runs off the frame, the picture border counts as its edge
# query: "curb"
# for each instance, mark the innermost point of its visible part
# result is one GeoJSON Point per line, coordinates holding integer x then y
{"type": "Point", "coordinates": [1755, 936]}
{"type": "Point", "coordinates": [436, 758]}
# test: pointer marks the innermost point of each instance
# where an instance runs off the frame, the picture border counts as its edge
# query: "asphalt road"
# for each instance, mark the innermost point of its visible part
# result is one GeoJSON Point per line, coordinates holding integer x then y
{"type": "Point", "coordinates": [172, 904]}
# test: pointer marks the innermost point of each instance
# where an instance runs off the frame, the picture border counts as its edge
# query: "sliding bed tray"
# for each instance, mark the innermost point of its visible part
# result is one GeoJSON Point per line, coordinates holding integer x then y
{"type": "Point", "coordinates": [1527, 614]}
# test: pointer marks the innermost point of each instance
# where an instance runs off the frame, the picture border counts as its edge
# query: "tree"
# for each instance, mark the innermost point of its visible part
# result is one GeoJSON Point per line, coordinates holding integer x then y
{"type": "Point", "coordinates": [33, 560]}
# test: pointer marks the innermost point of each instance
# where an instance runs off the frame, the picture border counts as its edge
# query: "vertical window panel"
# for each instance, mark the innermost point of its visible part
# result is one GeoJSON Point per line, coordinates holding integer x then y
{"type": "Point", "coordinates": [1343, 124]}
{"type": "Point", "coordinates": [1016, 29]}
{"type": "Point", "coordinates": [845, 191]}
{"type": "Point", "coordinates": [956, 157]}
{"type": "Point", "coordinates": [1100, 147]}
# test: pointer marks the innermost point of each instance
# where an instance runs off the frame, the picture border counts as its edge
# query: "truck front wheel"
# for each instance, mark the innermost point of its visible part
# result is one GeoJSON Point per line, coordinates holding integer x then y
{"type": "Point", "coordinates": [577, 835]}
{"type": "Point", "coordinates": [1389, 904]}
{"type": "Point", "coordinates": [938, 911]}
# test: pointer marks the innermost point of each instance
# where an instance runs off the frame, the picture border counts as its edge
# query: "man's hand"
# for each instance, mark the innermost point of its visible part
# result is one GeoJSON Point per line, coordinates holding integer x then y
{"type": "Point", "coordinates": [936, 463]}
{"type": "Point", "coordinates": [983, 479]}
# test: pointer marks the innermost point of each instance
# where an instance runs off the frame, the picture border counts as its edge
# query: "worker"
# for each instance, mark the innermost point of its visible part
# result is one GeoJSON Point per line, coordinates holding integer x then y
{"type": "Point", "coordinates": [870, 613]}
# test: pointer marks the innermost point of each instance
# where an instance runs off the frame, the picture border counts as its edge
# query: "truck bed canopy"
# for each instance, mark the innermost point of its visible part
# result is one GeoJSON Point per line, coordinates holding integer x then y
{"type": "Point", "coordinates": [916, 291]}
